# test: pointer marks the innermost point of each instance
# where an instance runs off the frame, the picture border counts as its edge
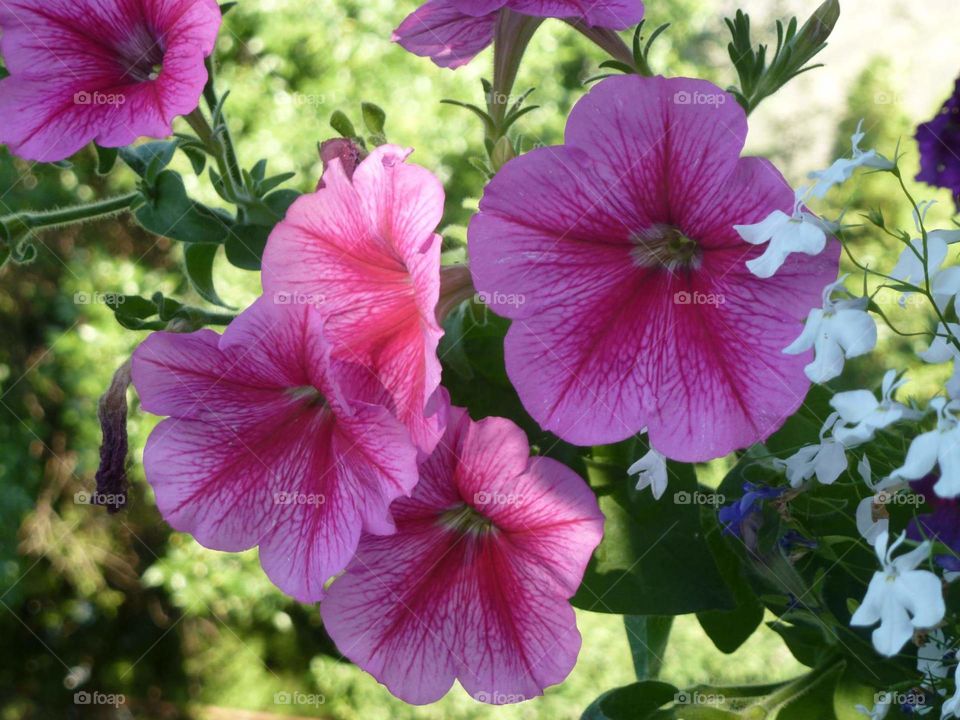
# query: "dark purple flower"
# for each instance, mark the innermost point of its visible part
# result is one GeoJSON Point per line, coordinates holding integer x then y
{"type": "Point", "coordinates": [941, 525]}
{"type": "Point", "coordinates": [939, 142]}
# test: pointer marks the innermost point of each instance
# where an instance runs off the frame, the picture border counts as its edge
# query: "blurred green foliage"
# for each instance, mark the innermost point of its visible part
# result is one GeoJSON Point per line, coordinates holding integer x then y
{"type": "Point", "coordinates": [118, 603]}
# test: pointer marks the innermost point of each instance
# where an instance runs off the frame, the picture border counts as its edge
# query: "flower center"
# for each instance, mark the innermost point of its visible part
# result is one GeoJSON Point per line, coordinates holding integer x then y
{"type": "Point", "coordinates": [466, 520]}
{"type": "Point", "coordinates": [665, 246]}
{"type": "Point", "coordinates": [306, 394]}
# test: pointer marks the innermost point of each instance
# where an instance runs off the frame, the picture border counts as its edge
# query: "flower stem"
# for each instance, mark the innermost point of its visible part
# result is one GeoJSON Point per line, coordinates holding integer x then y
{"type": "Point", "coordinates": [511, 37]}
{"type": "Point", "coordinates": [212, 100]}
{"type": "Point", "coordinates": [76, 214]}
{"type": "Point", "coordinates": [611, 42]}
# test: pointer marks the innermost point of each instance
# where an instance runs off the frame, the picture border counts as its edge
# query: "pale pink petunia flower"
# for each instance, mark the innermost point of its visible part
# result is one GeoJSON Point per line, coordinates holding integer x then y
{"type": "Point", "coordinates": [452, 32]}
{"type": "Point", "coordinates": [110, 72]}
{"type": "Point", "coordinates": [271, 443]}
{"type": "Point", "coordinates": [365, 251]}
{"type": "Point", "coordinates": [615, 255]}
{"type": "Point", "coordinates": [474, 586]}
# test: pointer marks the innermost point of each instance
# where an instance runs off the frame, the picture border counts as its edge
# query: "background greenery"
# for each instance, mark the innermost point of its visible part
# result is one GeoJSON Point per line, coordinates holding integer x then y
{"type": "Point", "coordinates": [118, 603]}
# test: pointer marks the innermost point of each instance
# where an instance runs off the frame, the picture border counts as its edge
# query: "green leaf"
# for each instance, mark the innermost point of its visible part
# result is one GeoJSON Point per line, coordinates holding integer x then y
{"type": "Point", "coordinates": [197, 158]}
{"type": "Point", "coordinates": [170, 213]}
{"type": "Point", "coordinates": [730, 629]}
{"type": "Point", "coordinates": [341, 123]}
{"type": "Point", "coordinates": [106, 159]}
{"type": "Point", "coordinates": [245, 245]}
{"type": "Point", "coordinates": [654, 558]}
{"type": "Point", "coordinates": [630, 702]}
{"type": "Point", "coordinates": [648, 636]}
{"type": "Point", "coordinates": [199, 266]}
{"type": "Point", "coordinates": [374, 118]}
{"type": "Point", "coordinates": [227, 7]}
{"type": "Point", "coordinates": [152, 156]}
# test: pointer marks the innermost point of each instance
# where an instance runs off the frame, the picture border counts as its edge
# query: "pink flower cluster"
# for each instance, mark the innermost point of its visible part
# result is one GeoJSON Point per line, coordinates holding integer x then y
{"type": "Point", "coordinates": [108, 72]}
{"type": "Point", "coordinates": [315, 428]}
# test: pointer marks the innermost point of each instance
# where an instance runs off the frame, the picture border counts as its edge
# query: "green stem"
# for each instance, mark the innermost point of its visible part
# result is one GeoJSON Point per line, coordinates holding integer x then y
{"type": "Point", "coordinates": [925, 261]}
{"type": "Point", "coordinates": [216, 149]}
{"type": "Point", "coordinates": [797, 687]}
{"type": "Point", "coordinates": [511, 37]}
{"type": "Point", "coordinates": [212, 100]}
{"type": "Point", "coordinates": [25, 221]}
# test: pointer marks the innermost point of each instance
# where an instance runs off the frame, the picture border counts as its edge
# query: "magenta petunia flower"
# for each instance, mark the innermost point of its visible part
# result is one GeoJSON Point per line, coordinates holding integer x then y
{"type": "Point", "coordinates": [269, 442]}
{"type": "Point", "coordinates": [365, 252]}
{"type": "Point", "coordinates": [452, 32]}
{"type": "Point", "coordinates": [83, 70]}
{"type": "Point", "coordinates": [474, 585]}
{"type": "Point", "coordinates": [615, 255]}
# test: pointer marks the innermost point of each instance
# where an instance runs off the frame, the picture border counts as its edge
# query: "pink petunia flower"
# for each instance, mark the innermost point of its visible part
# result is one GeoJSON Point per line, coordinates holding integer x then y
{"type": "Point", "coordinates": [83, 70]}
{"type": "Point", "coordinates": [271, 443]}
{"type": "Point", "coordinates": [615, 255]}
{"type": "Point", "coordinates": [452, 32]}
{"type": "Point", "coordinates": [365, 251]}
{"type": "Point", "coordinates": [474, 585]}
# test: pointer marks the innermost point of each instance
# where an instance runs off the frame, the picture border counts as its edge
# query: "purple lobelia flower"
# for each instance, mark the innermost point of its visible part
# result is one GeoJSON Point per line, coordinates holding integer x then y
{"type": "Point", "coordinates": [939, 141]}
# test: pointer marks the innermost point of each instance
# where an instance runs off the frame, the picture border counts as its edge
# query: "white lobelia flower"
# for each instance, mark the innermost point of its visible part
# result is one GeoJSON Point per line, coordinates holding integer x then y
{"type": "Point", "coordinates": [931, 655]}
{"type": "Point", "coordinates": [940, 446]}
{"type": "Point", "coordinates": [900, 597]}
{"type": "Point", "coordinates": [841, 170]}
{"type": "Point", "coordinates": [801, 232]}
{"type": "Point", "coordinates": [951, 708]}
{"type": "Point", "coordinates": [872, 518]}
{"type": "Point", "coordinates": [863, 414]}
{"type": "Point", "coordinates": [880, 710]}
{"type": "Point", "coordinates": [827, 460]}
{"type": "Point", "coordinates": [652, 472]}
{"type": "Point", "coordinates": [841, 329]}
